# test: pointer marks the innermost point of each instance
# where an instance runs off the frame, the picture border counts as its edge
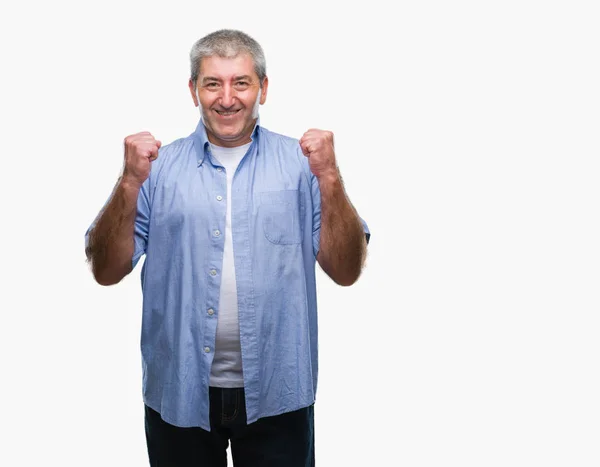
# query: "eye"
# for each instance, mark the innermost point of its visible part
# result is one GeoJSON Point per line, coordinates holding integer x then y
{"type": "Point", "coordinates": [212, 85]}
{"type": "Point", "coordinates": [242, 84]}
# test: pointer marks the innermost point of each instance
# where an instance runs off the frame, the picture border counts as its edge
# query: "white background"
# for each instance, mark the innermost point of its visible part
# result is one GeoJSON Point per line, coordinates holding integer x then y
{"type": "Point", "coordinates": [467, 136]}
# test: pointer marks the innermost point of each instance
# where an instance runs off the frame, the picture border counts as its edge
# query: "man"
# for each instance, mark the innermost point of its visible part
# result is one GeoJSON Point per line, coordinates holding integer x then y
{"type": "Point", "coordinates": [231, 219]}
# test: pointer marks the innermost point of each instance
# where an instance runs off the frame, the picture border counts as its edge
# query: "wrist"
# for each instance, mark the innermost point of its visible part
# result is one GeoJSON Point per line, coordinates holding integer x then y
{"type": "Point", "coordinates": [330, 178]}
{"type": "Point", "coordinates": [130, 183]}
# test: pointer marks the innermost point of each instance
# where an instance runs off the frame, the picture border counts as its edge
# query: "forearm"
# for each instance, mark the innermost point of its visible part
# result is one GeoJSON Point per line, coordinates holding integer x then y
{"type": "Point", "coordinates": [342, 245]}
{"type": "Point", "coordinates": [111, 241]}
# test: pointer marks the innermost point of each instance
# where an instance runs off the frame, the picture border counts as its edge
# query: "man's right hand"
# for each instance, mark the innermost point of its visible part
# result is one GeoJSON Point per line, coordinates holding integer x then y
{"type": "Point", "coordinates": [140, 150]}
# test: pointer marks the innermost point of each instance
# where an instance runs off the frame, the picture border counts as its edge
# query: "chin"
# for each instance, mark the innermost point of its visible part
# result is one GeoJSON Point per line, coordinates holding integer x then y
{"type": "Point", "coordinates": [229, 131]}
{"type": "Point", "coordinates": [229, 135]}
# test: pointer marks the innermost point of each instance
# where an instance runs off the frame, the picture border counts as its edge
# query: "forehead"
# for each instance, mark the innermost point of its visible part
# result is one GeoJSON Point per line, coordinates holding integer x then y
{"type": "Point", "coordinates": [227, 68]}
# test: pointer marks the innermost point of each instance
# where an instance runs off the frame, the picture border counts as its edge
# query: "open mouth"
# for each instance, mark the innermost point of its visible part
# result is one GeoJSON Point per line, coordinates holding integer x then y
{"type": "Point", "coordinates": [229, 113]}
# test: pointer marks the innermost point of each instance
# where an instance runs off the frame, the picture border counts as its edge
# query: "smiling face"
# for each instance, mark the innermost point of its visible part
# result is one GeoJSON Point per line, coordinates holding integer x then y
{"type": "Point", "coordinates": [229, 92]}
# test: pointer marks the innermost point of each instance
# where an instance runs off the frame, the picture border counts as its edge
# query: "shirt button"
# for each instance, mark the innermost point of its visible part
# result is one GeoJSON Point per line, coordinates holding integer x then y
{"type": "Point", "coordinates": [213, 272]}
{"type": "Point", "coordinates": [217, 233]}
{"type": "Point", "coordinates": [219, 169]}
{"type": "Point", "coordinates": [211, 311]}
{"type": "Point", "coordinates": [219, 198]}
{"type": "Point", "coordinates": [207, 349]}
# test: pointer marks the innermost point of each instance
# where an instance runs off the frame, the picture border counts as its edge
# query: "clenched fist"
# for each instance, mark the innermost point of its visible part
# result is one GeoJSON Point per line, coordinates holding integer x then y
{"type": "Point", "coordinates": [317, 145]}
{"type": "Point", "coordinates": [140, 150]}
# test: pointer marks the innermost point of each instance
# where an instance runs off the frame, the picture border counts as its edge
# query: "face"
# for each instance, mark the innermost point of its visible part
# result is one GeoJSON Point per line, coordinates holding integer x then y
{"type": "Point", "coordinates": [228, 89]}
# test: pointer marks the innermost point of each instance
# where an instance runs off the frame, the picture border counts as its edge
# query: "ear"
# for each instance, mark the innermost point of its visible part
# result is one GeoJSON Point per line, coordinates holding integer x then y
{"type": "Point", "coordinates": [265, 88]}
{"type": "Point", "coordinates": [193, 92]}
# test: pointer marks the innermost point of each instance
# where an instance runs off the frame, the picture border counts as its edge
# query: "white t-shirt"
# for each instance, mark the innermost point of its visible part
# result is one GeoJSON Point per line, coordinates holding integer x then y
{"type": "Point", "coordinates": [226, 369]}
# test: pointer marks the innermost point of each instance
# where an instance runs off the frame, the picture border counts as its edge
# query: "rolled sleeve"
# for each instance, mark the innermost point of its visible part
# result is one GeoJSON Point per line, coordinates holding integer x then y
{"type": "Point", "coordinates": [316, 201]}
{"type": "Point", "coordinates": [142, 224]}
{"type": "Point", "coordinates": [366, 229]}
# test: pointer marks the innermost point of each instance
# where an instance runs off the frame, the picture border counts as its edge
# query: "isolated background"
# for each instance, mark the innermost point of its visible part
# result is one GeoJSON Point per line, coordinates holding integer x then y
{"type": "Point", "coordinates": [467, 136]}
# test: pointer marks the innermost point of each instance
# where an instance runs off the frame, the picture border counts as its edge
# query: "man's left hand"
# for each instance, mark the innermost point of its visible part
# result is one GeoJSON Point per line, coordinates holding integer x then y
{"type": "Point", "coordinates": [317, 145]}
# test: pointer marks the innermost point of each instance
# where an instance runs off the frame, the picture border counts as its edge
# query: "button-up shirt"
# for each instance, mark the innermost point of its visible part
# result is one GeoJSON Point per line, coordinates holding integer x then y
{"type": "Point", "coordinates": [276, 219]}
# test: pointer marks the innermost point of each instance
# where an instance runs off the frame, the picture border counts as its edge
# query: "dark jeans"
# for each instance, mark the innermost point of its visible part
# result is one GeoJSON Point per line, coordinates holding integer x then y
{"type": "Point", "coordinates": [285, 440]}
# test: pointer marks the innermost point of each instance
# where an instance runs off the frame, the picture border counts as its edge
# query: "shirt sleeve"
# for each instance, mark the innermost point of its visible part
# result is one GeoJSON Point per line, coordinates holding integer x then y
{"type": "Point", "coordinates": [316, 199]}
{"type": "Point", "coordinates": [142, 224]}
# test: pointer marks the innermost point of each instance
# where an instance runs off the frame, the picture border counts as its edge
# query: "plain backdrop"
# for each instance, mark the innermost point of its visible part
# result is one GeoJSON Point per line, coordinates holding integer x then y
{"type": "Point", "coordinates": [467, 136]}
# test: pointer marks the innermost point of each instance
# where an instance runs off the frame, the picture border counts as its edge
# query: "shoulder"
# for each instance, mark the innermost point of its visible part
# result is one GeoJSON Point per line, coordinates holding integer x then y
{"type": "Point", "coordinates": [271, 136]}
{"type": "Point", "coordinates": [287, 146]}
{"type": "Point", "coordinates": [169, 152]}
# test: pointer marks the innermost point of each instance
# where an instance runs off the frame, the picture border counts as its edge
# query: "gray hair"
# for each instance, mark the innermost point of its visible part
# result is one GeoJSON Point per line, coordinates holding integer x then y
{"type": "Point", "coordinates": [227, 43]}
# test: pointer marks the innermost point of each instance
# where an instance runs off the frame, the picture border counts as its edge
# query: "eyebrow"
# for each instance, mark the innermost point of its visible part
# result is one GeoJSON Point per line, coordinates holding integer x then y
{"type": "Point", "coordinates": [237, 78]}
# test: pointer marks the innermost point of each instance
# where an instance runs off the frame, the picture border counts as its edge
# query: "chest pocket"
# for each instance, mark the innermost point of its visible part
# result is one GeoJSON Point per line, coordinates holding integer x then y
{"type": "Point", "coordinates": [281, 214]}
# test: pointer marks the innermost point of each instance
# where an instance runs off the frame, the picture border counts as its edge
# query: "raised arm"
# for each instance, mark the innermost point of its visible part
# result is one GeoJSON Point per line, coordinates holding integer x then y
{"type": "Point", "coordinates": [111, 242]}
{"type": "Point", "coordinates": [343, 245]}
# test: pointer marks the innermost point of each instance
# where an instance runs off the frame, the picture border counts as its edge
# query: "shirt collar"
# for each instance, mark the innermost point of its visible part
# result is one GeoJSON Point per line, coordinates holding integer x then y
{"type": "Point", "coordinates": [201, 140]}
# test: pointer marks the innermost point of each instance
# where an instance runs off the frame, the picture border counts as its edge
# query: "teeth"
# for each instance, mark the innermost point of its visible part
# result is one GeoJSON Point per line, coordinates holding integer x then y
{"type": "Point", "coordinates": [226, 113]}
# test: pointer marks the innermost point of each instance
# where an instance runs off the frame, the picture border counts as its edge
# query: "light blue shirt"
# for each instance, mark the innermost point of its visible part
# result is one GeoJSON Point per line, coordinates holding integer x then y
{"type": "Point", "coordinates": [180, 224]}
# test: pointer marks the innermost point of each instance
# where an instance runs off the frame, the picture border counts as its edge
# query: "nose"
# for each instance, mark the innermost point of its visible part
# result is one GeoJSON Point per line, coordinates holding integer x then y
{"type": "Point", "coordinates": [228, 95]}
